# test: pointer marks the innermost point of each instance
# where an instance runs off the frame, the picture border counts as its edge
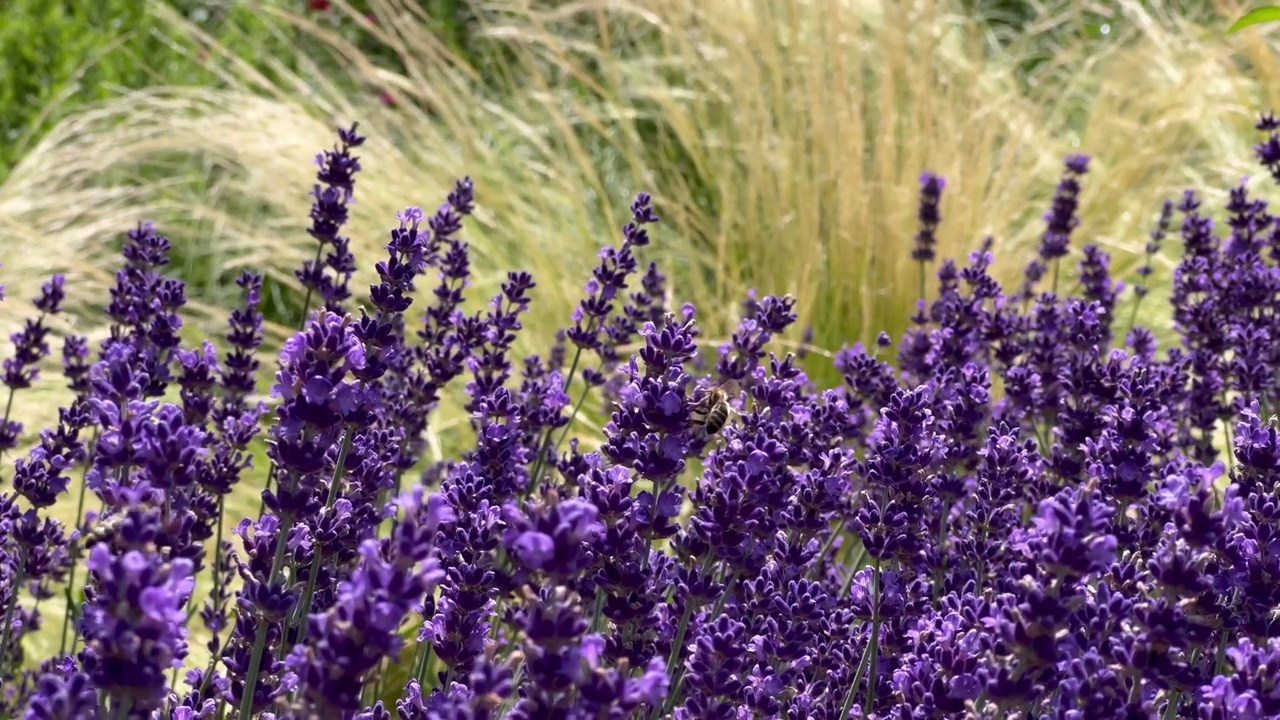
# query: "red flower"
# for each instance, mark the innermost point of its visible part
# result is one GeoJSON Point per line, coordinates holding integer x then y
{"type": "Point", "coordinates": [318, 5]}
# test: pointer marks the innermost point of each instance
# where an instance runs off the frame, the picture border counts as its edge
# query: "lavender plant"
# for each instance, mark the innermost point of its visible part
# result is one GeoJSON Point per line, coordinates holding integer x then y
{"type": "Point", "coordinates": [1029, 514]}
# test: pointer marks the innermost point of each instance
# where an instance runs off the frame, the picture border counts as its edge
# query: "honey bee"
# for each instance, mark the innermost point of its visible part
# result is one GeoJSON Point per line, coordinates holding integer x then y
{"type": "Point", "coordinates": [107, 528]}
{"type": "Point", "coordinates": [711, 412]}
{"type": "Point", "coordinates": [104, 530]}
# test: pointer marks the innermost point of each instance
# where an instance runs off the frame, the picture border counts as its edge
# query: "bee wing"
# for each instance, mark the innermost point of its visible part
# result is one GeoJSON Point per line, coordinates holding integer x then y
{"type": "Point", "coordinates": [732, 390]}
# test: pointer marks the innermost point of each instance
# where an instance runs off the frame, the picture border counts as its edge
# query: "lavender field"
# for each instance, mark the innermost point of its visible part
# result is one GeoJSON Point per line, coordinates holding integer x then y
{"type": "Point", "coordinates": [926, 436]}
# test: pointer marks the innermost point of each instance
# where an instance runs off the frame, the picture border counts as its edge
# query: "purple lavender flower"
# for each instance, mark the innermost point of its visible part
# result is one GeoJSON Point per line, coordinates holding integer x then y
{"type": "Point", "coordinates": [1252, 691]}
{"type": "Point", "coordinates": [1268, 151]}
{"type": "Point", "coordinates": [41, 476]}
{"type": "Point", "coordinates": [244, 336]}
{"type": "Point", "coordinates": [742, 354]}
{"type": "Point", "coordinates": [490, 365]}
{"type": "Point", "coordinates": [551, 539]}
{"type": "Point", "coordinates": [1096, 283]}
{"type": "Point", "coordinates": [133, 626]}
{"type": "Point", "coordinates": [420, 372]}
{"type": "Point", "coordinates": [348, 641]}
{"type": "Point", "coordinates": [30, 347]}
{"type": "Point", "coordinates": [255, 672]}
{"type": "Point", "coordinates": [63, 695]}
{"type": "Point", "coordinates": [318, 400]}
{"type": "Point", "coordinates": [75, 365]}
{"type": "Point", "coordinates": [614, 691]}
{"type": "Point", "coordinates": [447, 336]}
{"type": "Point", "coordinates": [333, 192]}
{"type": "Point", "coordinates": [144, 308]}
{"type": "Point", "coordinates": [610, 277]}
{"type": "Point", "coordinates": [1060, 221]}
{"type": "Point", "coordinates": [931, 187]}
{"type": "Point", "coordinates": [650, 428]}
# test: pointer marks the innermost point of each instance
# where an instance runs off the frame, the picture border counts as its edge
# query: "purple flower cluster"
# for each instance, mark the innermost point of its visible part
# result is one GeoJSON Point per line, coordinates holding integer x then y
{"type": "Point", "coordinates": [1031, 511]}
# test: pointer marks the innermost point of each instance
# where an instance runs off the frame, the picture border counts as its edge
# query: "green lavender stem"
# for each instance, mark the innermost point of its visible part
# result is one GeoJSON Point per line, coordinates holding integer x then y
{"type": "Point", "coordinates": [870, 656]}
{"type": "Point", "coordinates": [75, 556]}
{"type": "Point", "coordinates": [546, 435]}
{"type": "Point", "coordinates": [8, 613]}
{"type": "Point", "coordinates": [339, 470]}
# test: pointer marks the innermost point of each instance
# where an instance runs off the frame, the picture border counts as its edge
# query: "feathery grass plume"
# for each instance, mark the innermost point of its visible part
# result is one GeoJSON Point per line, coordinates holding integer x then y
{"type": "Point", "coordinates": [780, 137]}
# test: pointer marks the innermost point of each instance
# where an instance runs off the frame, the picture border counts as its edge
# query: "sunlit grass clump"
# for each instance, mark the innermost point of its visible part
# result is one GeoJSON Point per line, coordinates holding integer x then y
{"type": "Point", "coordinates": [786, 139]}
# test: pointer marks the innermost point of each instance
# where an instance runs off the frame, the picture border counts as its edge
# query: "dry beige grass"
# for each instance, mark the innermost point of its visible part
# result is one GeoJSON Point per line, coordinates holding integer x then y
{"type": "Point", "coordinates": [808, 121]}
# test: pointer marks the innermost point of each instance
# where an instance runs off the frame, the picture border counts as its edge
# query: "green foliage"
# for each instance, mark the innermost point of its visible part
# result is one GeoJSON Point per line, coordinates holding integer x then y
{"type": "Point", "coordinates": [1256, 16]}
{"type": "Point", "coordinates": [1046, 26]}
{"type": "Point", "coordinates": [55, 56]}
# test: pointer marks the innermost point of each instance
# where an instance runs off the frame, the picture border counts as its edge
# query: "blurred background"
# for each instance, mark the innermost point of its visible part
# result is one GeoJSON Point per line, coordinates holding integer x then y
{"type": "Point", "coordinates": [783, 140]}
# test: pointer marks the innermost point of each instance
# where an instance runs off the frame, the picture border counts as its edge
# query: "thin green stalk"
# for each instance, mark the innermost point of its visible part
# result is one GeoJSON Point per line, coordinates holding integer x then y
{"type": "Point", "coordinates": [1041, 437]}
{"type": "Point", "coordinates": [855, 564]}
{"type": "Point", "coordinates": [339, 470]}
{"type": "Point", "coordinates": [266, 485]}
{"type": "Point", "coordinates": [852, 692]}
{"type": "Point", "coordinates": [260, 637]}
{"type": "Point", "coordinates": [216, 595]}
{"type": "Point", "coordinates": [596, 611]}
{"type": "Point", "coordinates": [546, 435]}
{"type": "Point", "coordinates": [365, 691]}
{"type": "Point", "coordinates": [942, 537]}
{"type": "Point", "coordinates": [1231, 447]}
{"type": "Point", "coordinates": [658, 489]}
{"type": "Point", "coordinates": [870, 656]}
{"type": "Point", "coordinates": [1219, 660]}
{"type": "Point", "coordinates": [8, 409]}
{"type": "Point", "coordinates": [831, 540]}
{"type": "Point", "coordinates": [672, 668]}
{"type": "Point", "coordinates": [75, 554]}
{"type": "Point", "coordinates": [724, 596]}
{"type": "Point", "coordinates": [511, 700]}
{"type": "Point", "coordinates": [1175, 696]}
{"type": "Point", "coordinates": [874, 652]}
{"type": "Point", "coordinates": [380, 686]}
{"type": "Point", "coordinates": [1133, 315]}
{"type": "Point", "coordinates": [677, 671]}
{"type": "Point", "coordinates": [421, 667]}
{"type": "Point", "coordinates": [8, 613]}
{"type": "Point", "coordinates": [395, 519]}
{"type": "Point", "coordinates": [555, 452]}
{"type": "Point", "coordinates": [306, 299]}
{"type": "Point", "coordinates": [1135, 691]}
{"type": "Point", "coordinates": [218, 589]}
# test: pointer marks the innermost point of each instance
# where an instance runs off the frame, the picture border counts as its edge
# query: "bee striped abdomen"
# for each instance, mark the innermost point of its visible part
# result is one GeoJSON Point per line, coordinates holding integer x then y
{"type": "Point", "coordinates": [712, 411]}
